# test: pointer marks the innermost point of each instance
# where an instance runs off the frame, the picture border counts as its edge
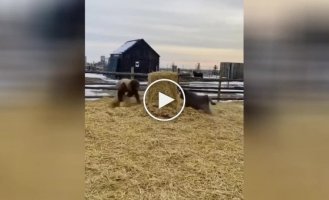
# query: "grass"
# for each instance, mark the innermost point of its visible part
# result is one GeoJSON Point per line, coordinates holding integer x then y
{"type": "Point", "coordinates": [131, 156]}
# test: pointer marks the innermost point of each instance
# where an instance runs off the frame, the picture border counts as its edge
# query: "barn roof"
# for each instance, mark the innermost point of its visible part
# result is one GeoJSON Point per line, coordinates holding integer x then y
{"type": "Point", "coordinates": [127, 45]}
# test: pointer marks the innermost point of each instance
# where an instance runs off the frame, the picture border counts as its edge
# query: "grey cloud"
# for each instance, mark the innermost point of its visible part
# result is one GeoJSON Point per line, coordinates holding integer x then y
{"type": "Point", "coordinates": [197, 23]}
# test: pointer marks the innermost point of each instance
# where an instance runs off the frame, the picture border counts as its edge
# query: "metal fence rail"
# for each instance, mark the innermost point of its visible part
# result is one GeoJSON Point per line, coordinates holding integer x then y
{"type": "Point", "coordinates": [184, 81]}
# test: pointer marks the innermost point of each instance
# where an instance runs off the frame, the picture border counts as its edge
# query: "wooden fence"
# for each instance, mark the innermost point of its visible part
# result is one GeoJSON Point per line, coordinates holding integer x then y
{"type": "Point", "coordinates": [231, 92]}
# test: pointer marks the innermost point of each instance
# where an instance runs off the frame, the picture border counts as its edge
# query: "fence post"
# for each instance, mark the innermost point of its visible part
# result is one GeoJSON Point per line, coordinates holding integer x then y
{"type": "Point", "coordinates": [219, 87]}
{"type": "Point", "coordinates": [178, 72]}
{"type": "Point", "coordinates": [132, 72]}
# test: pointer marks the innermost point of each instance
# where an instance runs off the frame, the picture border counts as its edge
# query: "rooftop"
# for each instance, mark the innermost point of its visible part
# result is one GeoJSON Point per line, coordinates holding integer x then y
{"type": "Point", "coordinates": [126, 46]}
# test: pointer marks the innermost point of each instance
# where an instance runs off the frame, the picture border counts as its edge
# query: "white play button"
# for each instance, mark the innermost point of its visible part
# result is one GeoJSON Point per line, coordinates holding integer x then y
{"type": "Point", "coordinates": [164, 100]}
{"type": "Point", "coordinates": [154, 100]}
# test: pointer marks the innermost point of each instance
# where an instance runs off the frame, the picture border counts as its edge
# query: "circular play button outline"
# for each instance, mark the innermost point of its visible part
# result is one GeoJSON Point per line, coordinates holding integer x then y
{"type": "Point", "coordinates": [160, 119]}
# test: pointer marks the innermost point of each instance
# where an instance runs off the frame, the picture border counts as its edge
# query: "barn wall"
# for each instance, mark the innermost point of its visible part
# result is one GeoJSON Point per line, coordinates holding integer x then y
{"type": "Point", "coordinates": [114, 62]}
{"type": "Point", "coordinates": [148, 59]}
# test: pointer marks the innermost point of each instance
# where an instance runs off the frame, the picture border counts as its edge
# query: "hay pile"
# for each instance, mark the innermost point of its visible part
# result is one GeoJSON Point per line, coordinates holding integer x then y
{"type": "Point", "coordinates": [162, 75]}
{"type": "Point", "coordinates": [166, 88]}
{"type": "Point", "coordinates": [127, 102]}
{"type": "Point", "coordinates": [131, 156]}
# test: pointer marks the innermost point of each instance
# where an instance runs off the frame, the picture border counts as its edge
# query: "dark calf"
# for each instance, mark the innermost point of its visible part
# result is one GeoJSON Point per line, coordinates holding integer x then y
{"type": "Point", "coordinates": [198, 102]}
{"type": "Point", "coordinates": [198, 74]}
{"type": "Point", "coordinates": [128, 87]}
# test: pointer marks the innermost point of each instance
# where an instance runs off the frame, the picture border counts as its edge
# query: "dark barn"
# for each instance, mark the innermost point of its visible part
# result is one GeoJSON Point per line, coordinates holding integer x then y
{"type": "Point", "coordinates": [134, 53]}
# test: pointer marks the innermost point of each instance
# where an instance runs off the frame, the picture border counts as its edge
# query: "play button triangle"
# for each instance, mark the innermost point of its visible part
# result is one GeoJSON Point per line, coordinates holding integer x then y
{"type": "Point", "coordinates": [164, 100]}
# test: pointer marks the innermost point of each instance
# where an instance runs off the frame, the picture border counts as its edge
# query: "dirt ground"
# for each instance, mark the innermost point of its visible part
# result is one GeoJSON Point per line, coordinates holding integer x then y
{"type": "Point", "coordinates": [129, 155]}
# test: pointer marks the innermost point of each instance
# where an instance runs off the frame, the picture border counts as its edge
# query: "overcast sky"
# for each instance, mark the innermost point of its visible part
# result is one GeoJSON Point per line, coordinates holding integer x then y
{"type": "Point", "coordinates": [182, 31]}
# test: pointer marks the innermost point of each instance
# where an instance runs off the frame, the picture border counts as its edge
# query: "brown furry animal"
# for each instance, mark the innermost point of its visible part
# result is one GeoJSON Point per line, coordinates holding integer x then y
{"type": "Point", "coordinates": [197, 102]}
{"type": "Point", "coordinates": [128, 87]}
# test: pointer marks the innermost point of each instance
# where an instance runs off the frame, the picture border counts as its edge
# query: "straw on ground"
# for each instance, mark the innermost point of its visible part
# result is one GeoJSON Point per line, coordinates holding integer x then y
{"type": "Point", "coordinates": [129, 155]}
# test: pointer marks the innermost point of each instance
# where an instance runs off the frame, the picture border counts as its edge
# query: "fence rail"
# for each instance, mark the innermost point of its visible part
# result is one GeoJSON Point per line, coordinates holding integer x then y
{"type": "Point", "coordinates": [184, 81]}
{"type": "Point", "coordinates": [181, 75]}
{"type": "Point", "coordinates": [193, 89]}
{"type": "Point", "coordinates": [118, 73]}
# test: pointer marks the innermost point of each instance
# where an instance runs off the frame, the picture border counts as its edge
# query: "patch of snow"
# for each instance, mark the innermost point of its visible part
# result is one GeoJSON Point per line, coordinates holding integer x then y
{"type": "Point", "coordinates": [226, 101]}
{"type": "Point", "coordinates": [233, 84]}
{"type": "Point", "coordinates": [209, 76]}
{"type": "Point", "coordinates": [105, 86]}
{"type": "Point", "coordinates": [201, 94]}
{"type": "Point", "coordinates": [93, 92]}
{"type": "Point", "coordinates": [125, 47]}
{"type": "Point", "coordinates": [143, 83]}
{"type": "Point", "coordinates": [100, 76]}
{"type": "Point", "coordinates": [229, 101]}
{"type": "Point", "coordinates": [215, 84]}
{"type": "Point", "coordinates": [92, 99]}
{"type": "Point", "coordinates": [224, 90]}
{"type": "Point", "coordinates": [91, 75]}
{"type": "Point", "coordinates": [203, 83]}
